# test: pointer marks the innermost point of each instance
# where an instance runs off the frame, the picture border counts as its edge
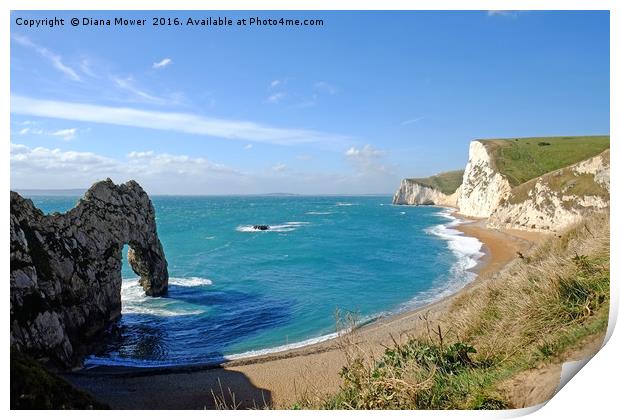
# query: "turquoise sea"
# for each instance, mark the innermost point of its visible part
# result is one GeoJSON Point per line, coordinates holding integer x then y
{"type": "Point", "coordinates": [235, 291]}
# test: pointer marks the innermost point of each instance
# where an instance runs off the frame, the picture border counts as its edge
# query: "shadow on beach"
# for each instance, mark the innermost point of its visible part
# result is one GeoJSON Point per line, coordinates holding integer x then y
{"type": "Point", "coordinates": [171, 388]}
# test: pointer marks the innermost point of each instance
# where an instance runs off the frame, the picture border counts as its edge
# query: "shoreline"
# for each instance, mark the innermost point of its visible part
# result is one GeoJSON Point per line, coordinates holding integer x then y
{"type": "Point", "coordinates": [287, 375]}
{"type": "Point", "coordinates": [239, 359]}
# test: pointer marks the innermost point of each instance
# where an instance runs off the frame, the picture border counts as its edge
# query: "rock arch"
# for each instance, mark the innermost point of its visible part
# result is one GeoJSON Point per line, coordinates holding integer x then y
{"type": "Point", "coordinates": [66, 268]}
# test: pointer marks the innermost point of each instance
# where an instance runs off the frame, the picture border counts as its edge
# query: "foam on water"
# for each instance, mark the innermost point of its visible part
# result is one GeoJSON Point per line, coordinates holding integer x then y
{"type": "Point", "coordinates": [135, 301]}
{"type": "Point", "coordinates": [285, 227]}
{"type": "Point", "coordinates": [468, 251]}
{"type": "Point", "coordinates": [319, 212]}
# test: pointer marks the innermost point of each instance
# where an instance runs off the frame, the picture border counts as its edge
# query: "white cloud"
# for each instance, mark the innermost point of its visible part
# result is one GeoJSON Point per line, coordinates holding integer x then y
{"type": "Point", "coordinates": [326, 87]}
{"type": "Point", "coordinates": [276, 97]}
{"type": "Point", "coordinates": [312, 101]}
{"type": "Point", "coordinates": [52, 57]}
{"type": "Point", "coordinates": [128, 84]}
{"type": "Point", "coordinates": [178, 122]}
{"type": "Point", "coordinates": [412, 121]}
{"type": "Point", "coordinates": [367, 160]}
{"type": "Point", "coordinates": [42, 167]}
{"type": "Point", "coordinates": [87, 68]}
{"type": "Point", "coordinates": [150, 162]}
{"type": "Point", "coordinates": [41, 162]}
{"type": "Point", "coordinates": [66, 133]}
{"type": "Point", "coordinates": [275, 83]}
{"type": "Point", "coordinates": [366, 152]}
{"type": "Point", "coordinates": [279, 167]}
{"type": "Point", "coordinates": [248, 146]}
{"type": "Point", "coordinates": [163, 63]}
{"type": "Point", "coordinates": [508, 13]}
{"type": "Point", "coordinates": [29, 130]}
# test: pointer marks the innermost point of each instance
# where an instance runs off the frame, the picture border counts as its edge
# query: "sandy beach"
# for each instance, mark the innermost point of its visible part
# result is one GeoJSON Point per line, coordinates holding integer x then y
{"type": "Point", "coordinates": [280, 379]}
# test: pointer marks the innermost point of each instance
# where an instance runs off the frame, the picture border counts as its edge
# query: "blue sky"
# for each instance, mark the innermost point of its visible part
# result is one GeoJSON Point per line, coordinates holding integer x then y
{"type": "Point", "coordinates": [350, 107]}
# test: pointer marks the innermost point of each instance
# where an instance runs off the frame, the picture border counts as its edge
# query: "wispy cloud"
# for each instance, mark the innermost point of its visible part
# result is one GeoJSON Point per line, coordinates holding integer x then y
{"type": "Point", "coordinates": [326, 87]}
{"type": "Point", "coordinates": [129, 85]}
{"type": "Point", "coordinates": [162, 63]}
{"type": "Point", "coordinates": [65, 133]}
{"type": "Point", "coordinates": [508, 13]}
{"type": "Point", "coordinates": [275, 83]}
{"type": "Point", "coordinates": [279, 167]}
{"type": "Point", "coordinates": [308, 102]}
{"type": "Point", "coordinates": [276, 97]}
{"type": "Point", "coordinates": [248, 146]}
{"type": "Point", "coordinates": [171, 121]}
{"type": "Point", "coordinates": [412, 121]}
{"type": "Point", "coordinates": [86, 66]}
{"type": "Point", "coordinates": [367, 159]}
{"type": "Point", "coordinates": [52, 57]}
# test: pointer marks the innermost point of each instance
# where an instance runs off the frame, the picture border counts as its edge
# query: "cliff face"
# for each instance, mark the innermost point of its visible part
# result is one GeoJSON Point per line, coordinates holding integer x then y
{"type": "Point", "coordinates": [550, 202]}
{"type": "Point", "coordinates": [66, 268]}
{"type": "Point", "coordinates": [558, 199]}
{"type": "Point", "coordinates": [413, 193]}
{"type": "Point", "coordinates": [483, 187]}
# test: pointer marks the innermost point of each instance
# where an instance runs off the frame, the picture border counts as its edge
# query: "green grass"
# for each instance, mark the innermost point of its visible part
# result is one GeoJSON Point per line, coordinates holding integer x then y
{"type": "Point", "coordinates": [547, 303]}
{"type": "Point", "coordinates": [522, 159]}
{"type": "Point", "coordinates": [446, 182]}
{"type": "Point", "coordinates": [34, 387]}
{"type": "Point", "coordinates": [564, 182]}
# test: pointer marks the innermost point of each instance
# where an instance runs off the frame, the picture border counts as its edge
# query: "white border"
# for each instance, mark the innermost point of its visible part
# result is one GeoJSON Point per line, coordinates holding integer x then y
{"type": "Point", "coordinates": [592, 394]}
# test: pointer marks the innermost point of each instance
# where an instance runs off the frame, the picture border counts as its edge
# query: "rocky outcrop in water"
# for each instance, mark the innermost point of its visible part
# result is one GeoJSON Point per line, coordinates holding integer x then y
{"type": "Point", "coordinates": [66, 268]}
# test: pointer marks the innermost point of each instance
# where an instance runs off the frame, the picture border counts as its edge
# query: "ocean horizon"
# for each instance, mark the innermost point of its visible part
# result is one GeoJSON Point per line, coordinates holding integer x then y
{"type": "Point", "coordinates": [235, 291]}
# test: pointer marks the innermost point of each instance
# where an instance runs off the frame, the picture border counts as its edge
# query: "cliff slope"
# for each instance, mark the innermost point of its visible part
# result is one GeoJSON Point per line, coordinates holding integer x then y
{"type": "Point", "coordinates": [66, 268]}
{"type": "Point", "coordinates": [557, 199]}
{"type": "Point", "coordinates": [536, 183]}
{"type": "Point", "coordinates": [440, 189]}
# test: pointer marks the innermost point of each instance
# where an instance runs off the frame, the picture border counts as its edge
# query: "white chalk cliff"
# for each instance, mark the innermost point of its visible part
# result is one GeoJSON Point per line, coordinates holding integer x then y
{"type": "Point", "coordinates": [548, 203]}
{"type": "Point", "coordinates": [483, 186]}
{"type": "Point", "coordinates": [413, 193]}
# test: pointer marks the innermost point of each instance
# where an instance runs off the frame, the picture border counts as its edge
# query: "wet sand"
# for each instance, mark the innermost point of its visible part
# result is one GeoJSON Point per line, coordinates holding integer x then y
{"type": "Point", "coordinates": [280, 379]}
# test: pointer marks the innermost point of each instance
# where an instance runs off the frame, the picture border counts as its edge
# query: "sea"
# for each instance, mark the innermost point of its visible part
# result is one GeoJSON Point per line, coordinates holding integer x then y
{"type": "Point", "coordinates": [236, 291]}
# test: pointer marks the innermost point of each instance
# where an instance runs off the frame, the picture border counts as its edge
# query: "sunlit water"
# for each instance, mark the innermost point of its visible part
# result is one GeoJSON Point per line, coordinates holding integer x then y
{"type": "Point", "coordinates": [235, 291]}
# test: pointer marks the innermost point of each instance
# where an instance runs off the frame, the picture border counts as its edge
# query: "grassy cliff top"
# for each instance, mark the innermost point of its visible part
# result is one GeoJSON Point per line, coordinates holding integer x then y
{"type": "Point", "coordinates": [564, 182]}
{"type": "Point", "coordinates": [522, 159]}
{"type": "Point", "coordinates": [446, 182]}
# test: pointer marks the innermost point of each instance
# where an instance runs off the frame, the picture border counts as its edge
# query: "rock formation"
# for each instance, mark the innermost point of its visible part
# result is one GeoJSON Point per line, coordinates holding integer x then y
{"type": "Point", "coordinates": [414, 193]}
{"type": "Point", "coordinates": [547, 203]}
{"type": "Point", "coordinates": [557, 199]}
{"type": "Point", "coordinates": [66, 268]}
{"type": "Point", "coordinates": [483, 186]}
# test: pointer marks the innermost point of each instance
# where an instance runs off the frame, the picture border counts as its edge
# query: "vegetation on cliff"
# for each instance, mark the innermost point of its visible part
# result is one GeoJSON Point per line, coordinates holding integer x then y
{"type": "Point", "coordinates": [529, 314]}
{"type": "Point", "coordinates": [445, 182]}
{"type": "Point", "coordinates": [34, 387]}
{"type": "Point", "coordinates": [522, 159]}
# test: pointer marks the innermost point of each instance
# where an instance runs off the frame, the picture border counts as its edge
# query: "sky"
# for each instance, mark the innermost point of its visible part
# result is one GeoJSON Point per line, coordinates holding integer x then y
{"type": "Point", "coordinates": [349, 107]}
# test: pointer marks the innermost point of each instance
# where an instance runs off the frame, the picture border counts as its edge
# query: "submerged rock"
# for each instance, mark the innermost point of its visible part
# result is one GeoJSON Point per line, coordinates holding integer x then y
{"type": "Point", "coordinates": [66, 268]}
